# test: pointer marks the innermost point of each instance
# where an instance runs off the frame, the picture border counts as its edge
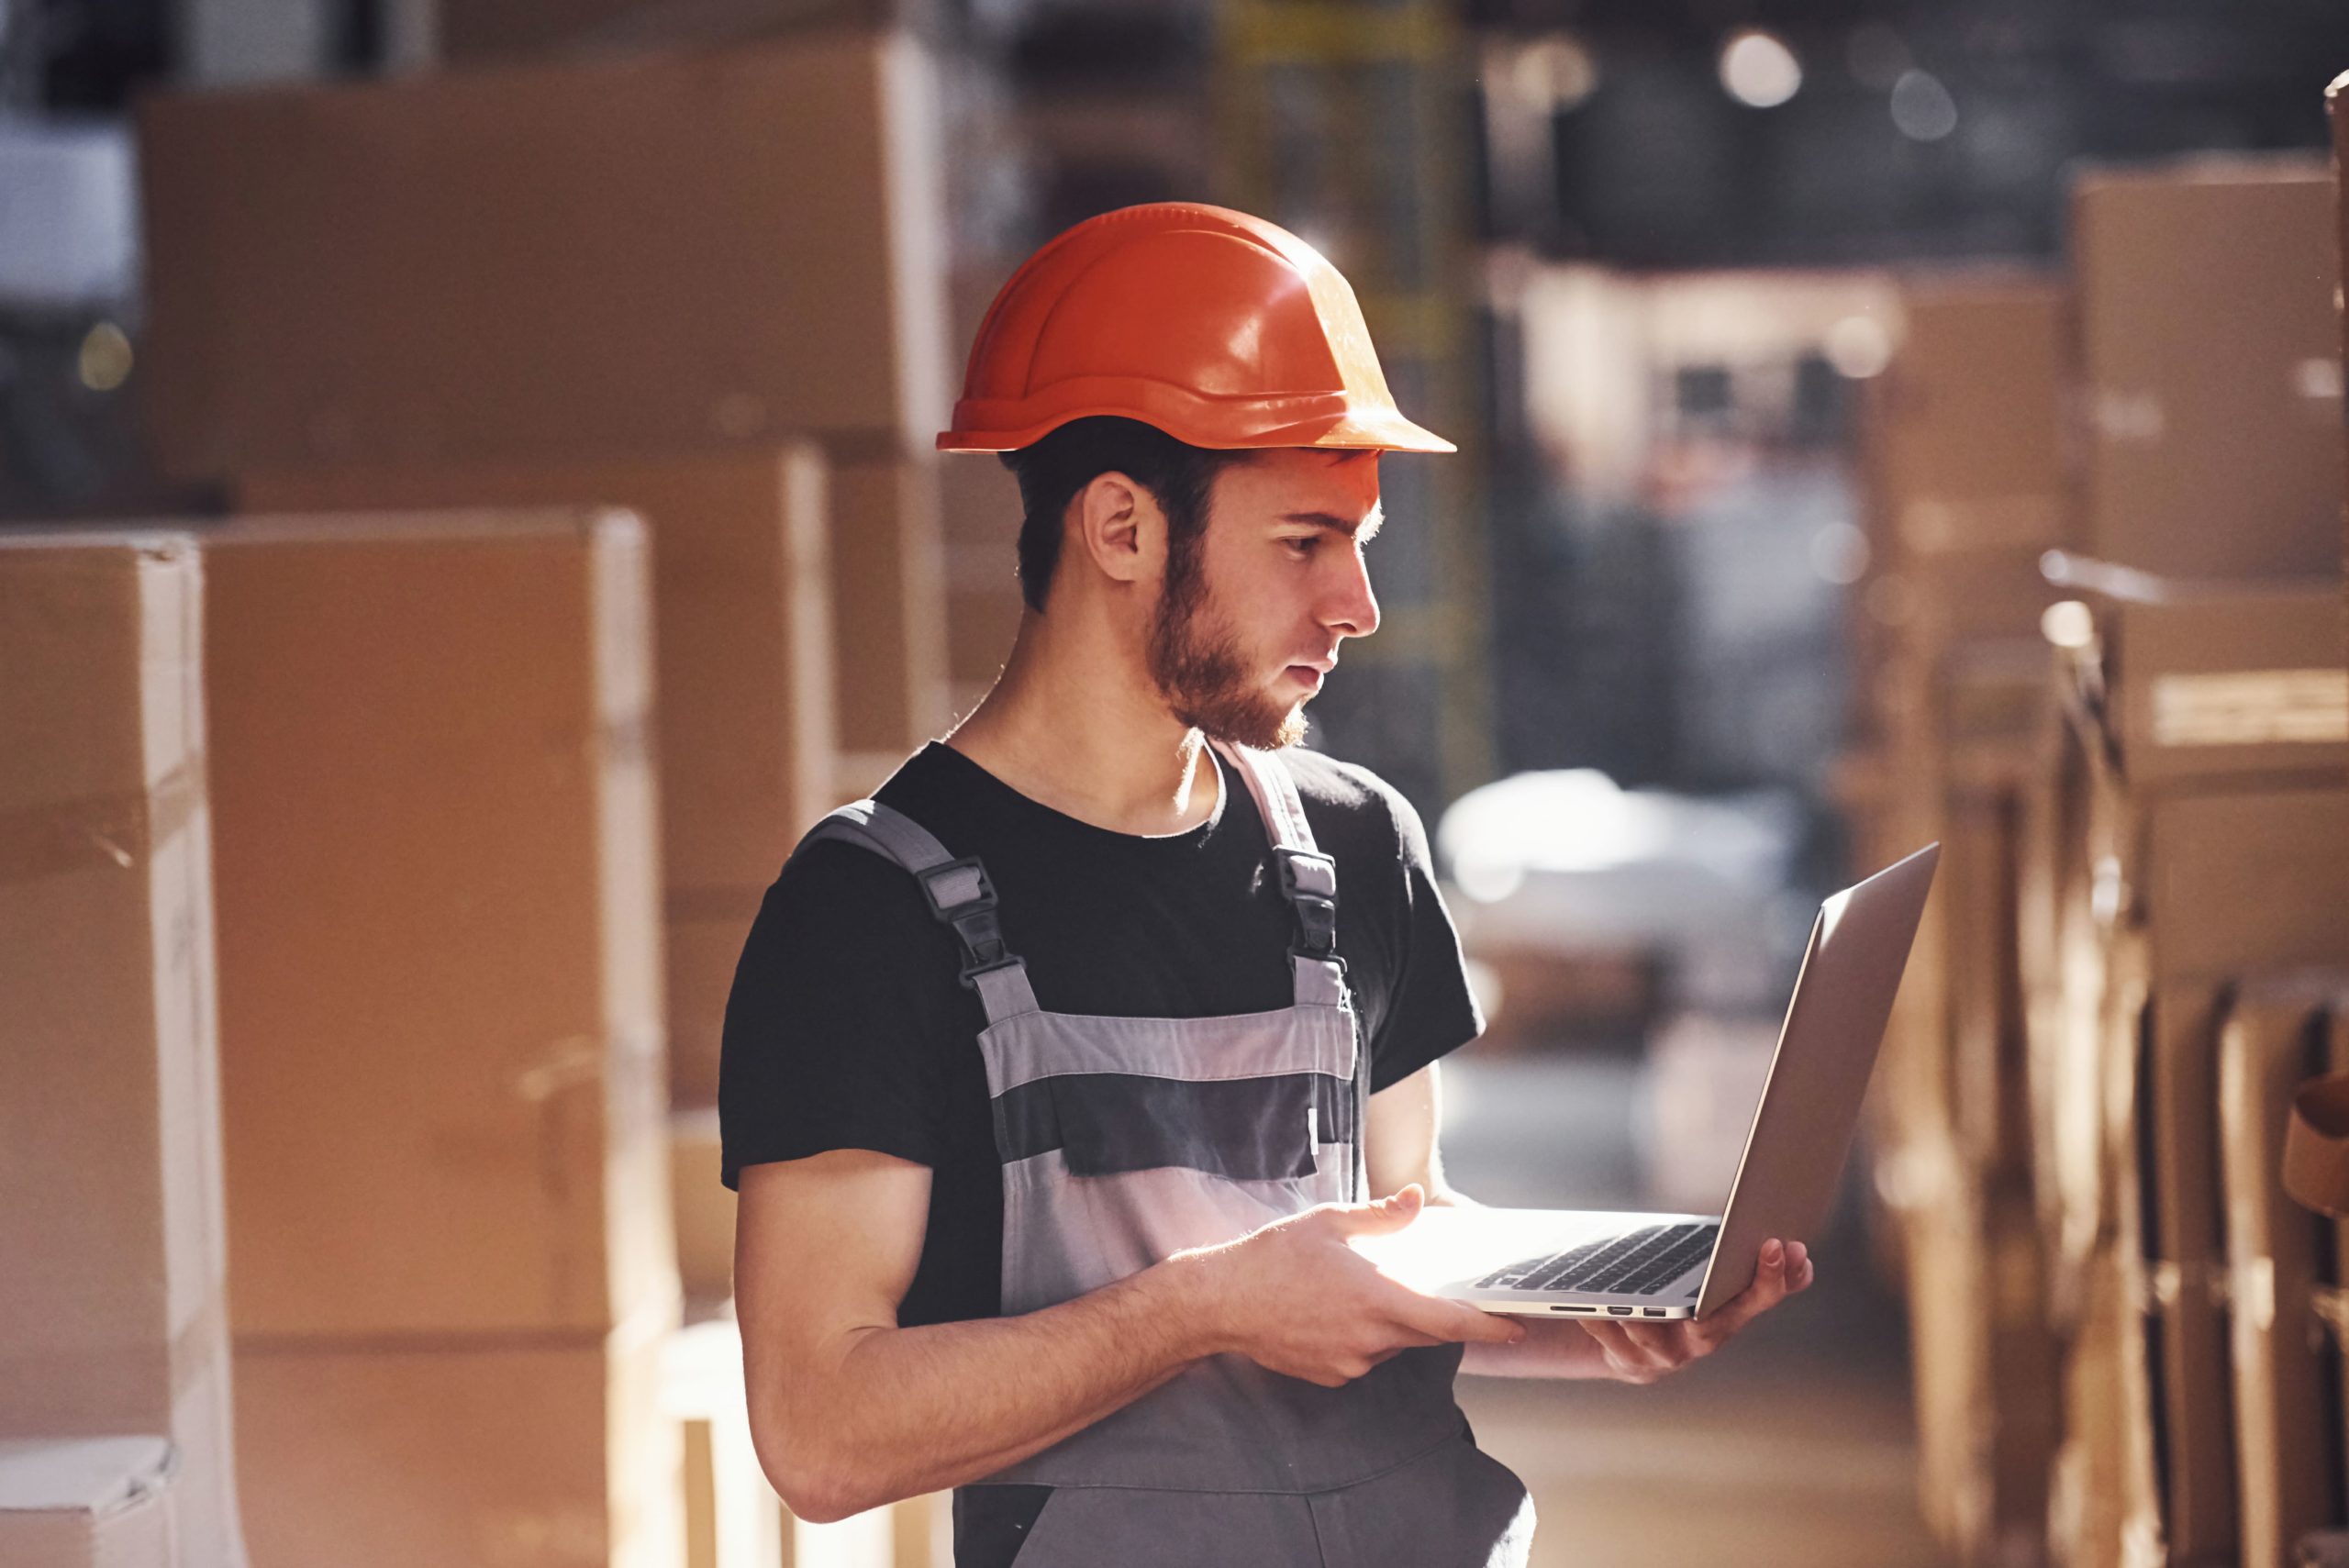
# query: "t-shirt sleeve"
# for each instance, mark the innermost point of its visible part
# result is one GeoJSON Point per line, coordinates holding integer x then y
{"type": "Point", "coordinates": [1433, 1012]}
{"type": "Point", "coordinates": [842, 997]}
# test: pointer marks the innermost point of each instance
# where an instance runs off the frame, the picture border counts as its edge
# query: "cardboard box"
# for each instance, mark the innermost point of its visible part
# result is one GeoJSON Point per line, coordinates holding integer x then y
{"type": "Point", "coordinates": [1959, 745]}
{"type": "Point", "coordinates": [2060, 966]}
{"type": "Point", "coordinates": [474, 30]}
{"type": "Point", "coordinates": [981, 504]}
{"type": "Point", "coordinates": [2184, 1250]}
{"type": "Point", "coordinates": [1985, 1070]}
{"type": "Point", "coordinates": [2103, 1511]}
{"type": "Point", "coordinates": [594, 258]}
{"type": "Point", "coordinates": [92, 1503]}
{"type": "Point", "coordinates": [2240, 883]}
{"type": "Point", "coordinates": [705, 1207]}
{"type": "Point", "coordinates": [889, 604]}
{"type": "Point", "coordinates": [705, 936]}
{"type": "Point", "coordinates": [743, 625]}
{"type": "Point", "coordinates": [111, 1312]}
{"type": "Point", "coordinates": [2233, 884]}
{"type": "Point", "coordinates": [2212, 353]}
{"type": "Point", "coordinates": [1915, 627]}
{"type": "Point", "coordinates": [2290, 1450]}
{"type": "Point", "coordinates": [1964, 430]}
{"type": "Point", "coordinates": [2183, 825]}
{"type": "Point", "coordinates": [437, 894]}
{"type": "Point", "coordinates": [1984, 1359]}
{"type": "Point", "coordinates": [2204, 683]}
{"type": "Point", "coordinates": [548, 1451]}
{"type": "Point", "coordinates": [2229, 884]}
{"type": "Point", "coordinates": [2334, 104]}
{"type": "Point", "coordinates": [743, 620]}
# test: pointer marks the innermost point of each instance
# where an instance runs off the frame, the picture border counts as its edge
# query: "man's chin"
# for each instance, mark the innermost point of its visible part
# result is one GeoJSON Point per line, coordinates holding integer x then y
{"type": "Point", "coordinates": [1260, 728]}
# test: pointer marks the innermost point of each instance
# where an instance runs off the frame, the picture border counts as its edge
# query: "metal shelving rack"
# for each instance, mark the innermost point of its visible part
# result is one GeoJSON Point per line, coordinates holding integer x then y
{"type": "Point", "coordinates": [1343, 121]}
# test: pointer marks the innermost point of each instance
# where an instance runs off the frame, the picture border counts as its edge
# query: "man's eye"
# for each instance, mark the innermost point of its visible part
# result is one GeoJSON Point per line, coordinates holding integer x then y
{"type": "Point", "coordinates": [1304, 546]}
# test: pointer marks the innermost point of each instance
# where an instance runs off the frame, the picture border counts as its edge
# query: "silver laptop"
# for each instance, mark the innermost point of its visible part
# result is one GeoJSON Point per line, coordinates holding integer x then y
{"type": "Point", "coordinates": [1615, 1262]}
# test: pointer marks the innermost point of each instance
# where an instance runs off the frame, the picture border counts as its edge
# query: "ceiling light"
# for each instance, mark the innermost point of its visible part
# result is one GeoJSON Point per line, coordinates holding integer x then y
{"type": "Point", "coordinates": [1758, 69]}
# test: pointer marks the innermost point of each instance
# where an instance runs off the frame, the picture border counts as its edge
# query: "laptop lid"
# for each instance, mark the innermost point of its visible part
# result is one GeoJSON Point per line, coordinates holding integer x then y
{"type": "Point", "coordinates": [1802, 1127]}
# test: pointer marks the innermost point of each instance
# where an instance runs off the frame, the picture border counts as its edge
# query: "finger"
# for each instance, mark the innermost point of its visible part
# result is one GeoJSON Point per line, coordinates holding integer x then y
{"type": "Point", "coordinates": [1667, 1346]}
{"type": "Point", "coordinates": [1390, 1213]}
{"type": "Point", "coordinates": [1453, 1323]}
{"type": "Point", "coordinates": [1621, 1345]}
{"type": "Point", "coordinates": [1404, 1335]}
{"type": "Point", "coordinates": [1771, 1286]}
{"type": "Point", "coordinates": [1609, 1335]}
{"type": "Point", "coordinates": [1666, 1343]}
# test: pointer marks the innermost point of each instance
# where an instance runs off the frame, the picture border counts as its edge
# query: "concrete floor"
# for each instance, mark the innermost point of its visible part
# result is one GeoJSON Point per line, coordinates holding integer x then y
{"type": "Point", "coordinates": [1792, 1446]}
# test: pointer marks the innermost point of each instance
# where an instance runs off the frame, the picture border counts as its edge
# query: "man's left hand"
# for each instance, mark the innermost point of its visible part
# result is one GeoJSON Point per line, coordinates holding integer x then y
{"type": "Point", "coordinates": [1641, 1352]}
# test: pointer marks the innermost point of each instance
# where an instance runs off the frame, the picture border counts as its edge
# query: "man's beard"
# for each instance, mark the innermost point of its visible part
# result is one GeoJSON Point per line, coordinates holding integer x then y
{"type": "Point", "coordinates": [1194, 658]}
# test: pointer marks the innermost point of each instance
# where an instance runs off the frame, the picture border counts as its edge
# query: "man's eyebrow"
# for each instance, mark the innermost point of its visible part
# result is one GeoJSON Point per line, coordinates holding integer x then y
{"type": "Point", "coordinates": [1364, 530]}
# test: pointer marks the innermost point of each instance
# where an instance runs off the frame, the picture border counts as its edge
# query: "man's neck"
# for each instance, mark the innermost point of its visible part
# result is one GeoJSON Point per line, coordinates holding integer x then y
{"type": "Point", "coordinates": [1075, 723]}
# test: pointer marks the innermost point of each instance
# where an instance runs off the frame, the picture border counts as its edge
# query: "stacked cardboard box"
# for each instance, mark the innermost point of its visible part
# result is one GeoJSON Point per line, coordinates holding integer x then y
{"type": "Point", "coordinates": [2284, 1266]}
{"type": "Point", "coordinates": [2187, 833]}
{"type": "Point", "coordinates": [1964, 491]}
{"type": "Point", "coordinates": [114, 1356]}
{"type": "Point", "coordinates": [2216, 737]}
{"type": "Point", "coordinates": [620, 255]}
{"type": "Point", "coordinates": [440, 995]}
{"type": "Point", "coordinates": [2211, 368]}
{"type": "Point", "coordinates": [743, 661]}
{"type": "Point", "coordinates": [708, 284]}
{"type": "Point", "coordinates": [2137, 822]}
{"type": "Point", "coordinates": [890, 610]}
{"type": "Point", "coordinates": [580, 261]}
{"type": "Point", "coordinates": [983, 602]}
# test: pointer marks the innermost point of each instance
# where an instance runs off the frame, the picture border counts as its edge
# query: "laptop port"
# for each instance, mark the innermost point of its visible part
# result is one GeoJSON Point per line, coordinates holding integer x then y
{"type": "Point", "coordinates": [1620, 1311]}
{"type": "Point", "coordinates": [1653, 1311]}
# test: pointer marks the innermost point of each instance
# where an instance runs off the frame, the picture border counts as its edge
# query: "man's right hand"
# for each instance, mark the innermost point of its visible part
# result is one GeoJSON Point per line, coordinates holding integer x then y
{"type": "Point", "coordinates": [1297, 1299]}
{"type": "Point", "coordinates": [850, 1411]}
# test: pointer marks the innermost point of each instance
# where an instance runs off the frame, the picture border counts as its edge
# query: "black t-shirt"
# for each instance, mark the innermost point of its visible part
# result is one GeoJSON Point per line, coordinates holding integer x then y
{"type": "Point", "coordinates": [848, 1027]}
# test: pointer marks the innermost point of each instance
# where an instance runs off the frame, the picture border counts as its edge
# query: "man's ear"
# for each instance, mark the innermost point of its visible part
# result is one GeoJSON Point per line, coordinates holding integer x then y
{"type": "Point", "coordinates": [1121, 530]}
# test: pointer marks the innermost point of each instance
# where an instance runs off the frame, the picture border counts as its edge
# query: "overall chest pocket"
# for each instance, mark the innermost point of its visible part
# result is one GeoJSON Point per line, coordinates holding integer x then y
{"type": "Point", "coordinates": [1243, 1129]}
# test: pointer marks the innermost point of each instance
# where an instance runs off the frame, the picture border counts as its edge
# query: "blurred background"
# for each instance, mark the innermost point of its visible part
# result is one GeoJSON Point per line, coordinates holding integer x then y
{"type": "Point", "coordinates": [1879, 423]}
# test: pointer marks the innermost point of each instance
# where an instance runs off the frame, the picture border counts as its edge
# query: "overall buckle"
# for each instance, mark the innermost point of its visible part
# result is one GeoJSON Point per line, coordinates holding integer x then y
{"type": "Point", "coordinates": [1309, 883]}
{"type": "Point", "coordinates": [961, 895]}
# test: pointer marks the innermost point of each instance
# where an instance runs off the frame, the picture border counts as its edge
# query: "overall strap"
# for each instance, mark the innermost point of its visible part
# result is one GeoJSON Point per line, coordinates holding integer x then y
{"type": "Point", "coordinates": [1308, 878]}
{"type": "Point", "coordinates": [958, 891]}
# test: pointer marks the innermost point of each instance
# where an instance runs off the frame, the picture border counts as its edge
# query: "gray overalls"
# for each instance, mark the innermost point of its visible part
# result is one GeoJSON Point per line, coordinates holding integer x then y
{"type": "Point", "coordinates": [1124, 1140]}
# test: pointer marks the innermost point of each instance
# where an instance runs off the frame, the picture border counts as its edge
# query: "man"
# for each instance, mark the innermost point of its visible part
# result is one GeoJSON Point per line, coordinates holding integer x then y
{"type": "Point", "coordinates": [1057, 1077]}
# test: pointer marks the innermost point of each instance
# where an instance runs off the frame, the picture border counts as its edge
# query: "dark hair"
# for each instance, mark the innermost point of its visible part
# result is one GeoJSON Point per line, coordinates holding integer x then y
{"type": "Point", "coordinates": [1053, 470]}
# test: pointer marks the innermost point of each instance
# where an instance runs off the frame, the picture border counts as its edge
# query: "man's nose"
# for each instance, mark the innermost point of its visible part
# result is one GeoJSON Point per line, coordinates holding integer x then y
{"type": "Point", "coordinates": [1353, 610]}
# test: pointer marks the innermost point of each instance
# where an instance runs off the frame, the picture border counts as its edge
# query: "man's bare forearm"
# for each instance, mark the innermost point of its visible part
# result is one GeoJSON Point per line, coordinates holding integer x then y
{"type": "Point", "coordinates": [898, 1412]}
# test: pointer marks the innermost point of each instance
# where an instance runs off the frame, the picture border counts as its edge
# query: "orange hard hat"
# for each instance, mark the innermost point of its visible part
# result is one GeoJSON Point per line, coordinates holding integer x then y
{"type": "Point", "coordinates": [1218, 328]}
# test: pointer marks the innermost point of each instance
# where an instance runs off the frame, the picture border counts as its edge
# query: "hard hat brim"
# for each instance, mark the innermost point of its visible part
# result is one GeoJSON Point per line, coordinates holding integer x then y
{"type": "Point", "coordinates": [1362, 431]}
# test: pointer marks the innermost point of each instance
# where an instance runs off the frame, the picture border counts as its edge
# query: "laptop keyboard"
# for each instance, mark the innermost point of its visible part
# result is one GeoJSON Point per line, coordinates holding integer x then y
{"type": "Point", "coordinates": [1636, 1263]}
